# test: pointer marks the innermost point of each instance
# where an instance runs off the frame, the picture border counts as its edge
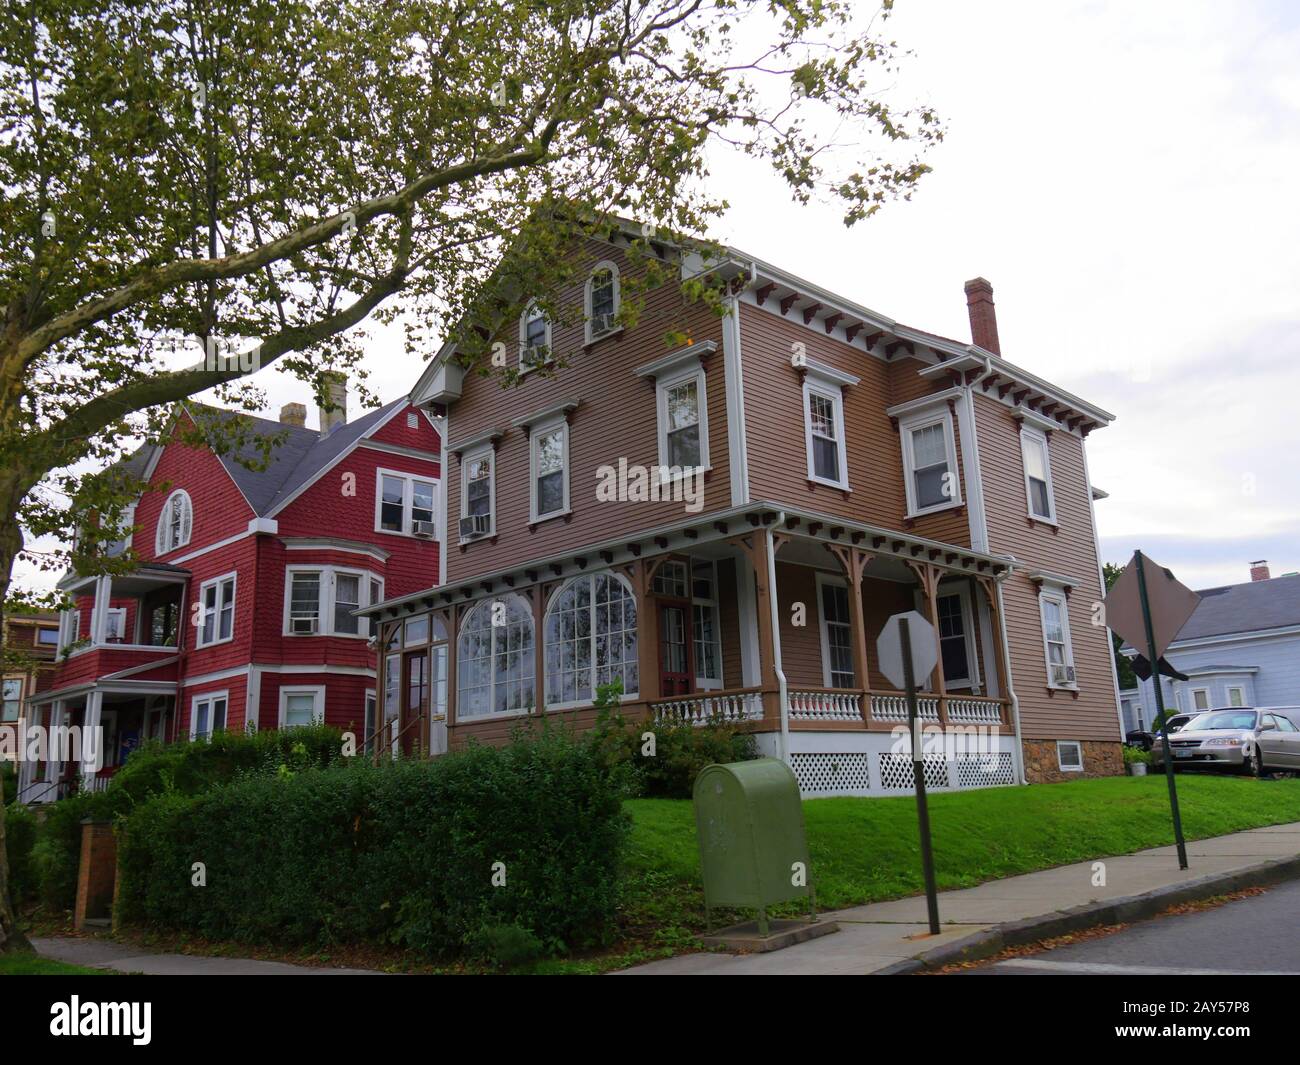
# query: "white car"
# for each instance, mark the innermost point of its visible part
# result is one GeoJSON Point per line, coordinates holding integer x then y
{"type": "Point", "coordinates": [1256, 740]}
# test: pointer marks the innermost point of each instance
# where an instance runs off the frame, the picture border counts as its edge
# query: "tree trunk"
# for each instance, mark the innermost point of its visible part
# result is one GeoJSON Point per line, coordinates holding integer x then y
{"type": "Point", "coordinates": [11, 541]}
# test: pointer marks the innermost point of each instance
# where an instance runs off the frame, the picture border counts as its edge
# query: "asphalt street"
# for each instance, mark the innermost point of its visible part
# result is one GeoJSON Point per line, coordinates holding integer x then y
{"type": "Point", "coordinates": [1256, 935]}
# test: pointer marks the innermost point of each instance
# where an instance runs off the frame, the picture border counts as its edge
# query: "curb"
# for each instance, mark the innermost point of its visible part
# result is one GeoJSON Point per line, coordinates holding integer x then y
{"type": "Point", "coordinates": [1094, 914]}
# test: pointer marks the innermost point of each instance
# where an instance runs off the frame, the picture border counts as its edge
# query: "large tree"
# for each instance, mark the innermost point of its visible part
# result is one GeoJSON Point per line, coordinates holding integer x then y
{"type": "Point", "coordinates": [257, 179]}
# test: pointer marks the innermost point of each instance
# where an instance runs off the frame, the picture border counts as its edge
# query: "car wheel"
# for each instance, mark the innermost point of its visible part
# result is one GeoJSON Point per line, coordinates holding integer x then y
{"type": "Point", "coordinates": [1256, 768]}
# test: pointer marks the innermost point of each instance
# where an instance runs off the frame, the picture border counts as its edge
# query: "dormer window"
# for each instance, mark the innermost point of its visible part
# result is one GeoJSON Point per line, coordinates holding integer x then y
{"type": "Point", "coordinates": [534, 338]}
{"type": "Point", "coordinates": [603, 301]}
{"type": "Point", "coordinates": [174, 523]}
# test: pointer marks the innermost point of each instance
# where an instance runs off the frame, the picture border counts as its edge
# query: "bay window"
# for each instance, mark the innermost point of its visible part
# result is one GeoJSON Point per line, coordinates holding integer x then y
{"type": "Point", "coordinates": [208, 715]}
{"type": "Point", "coordinates": [217, 611]}
{"type": "Point", "coordinates": [319, 601]}
{"type": "Point", "coordinates": [406, 504]}
{"type": "Point", "coordinates": [301, 706]}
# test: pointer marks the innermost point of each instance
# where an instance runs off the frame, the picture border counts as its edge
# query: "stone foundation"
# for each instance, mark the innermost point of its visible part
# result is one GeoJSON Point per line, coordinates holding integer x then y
{"type": "Point", "coordinates": [1101, 758]}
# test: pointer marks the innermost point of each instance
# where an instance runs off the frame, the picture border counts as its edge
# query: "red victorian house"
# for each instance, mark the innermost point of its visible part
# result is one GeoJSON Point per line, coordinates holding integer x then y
{"type": "Point", "coordinates": [240, 614]}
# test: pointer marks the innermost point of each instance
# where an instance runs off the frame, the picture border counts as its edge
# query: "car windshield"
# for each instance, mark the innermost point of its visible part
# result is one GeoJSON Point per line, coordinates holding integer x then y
{"type": "Point", "coordinates": [1222, 719]}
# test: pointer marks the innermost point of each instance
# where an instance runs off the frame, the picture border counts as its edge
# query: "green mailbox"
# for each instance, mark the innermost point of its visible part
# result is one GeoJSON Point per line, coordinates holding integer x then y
{"type": "Point", "coordinates": [753, 850]}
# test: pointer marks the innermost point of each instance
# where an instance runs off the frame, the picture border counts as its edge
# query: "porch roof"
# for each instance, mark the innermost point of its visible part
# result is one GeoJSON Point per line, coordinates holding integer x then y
{"type": "Point", "coordinates": [695, 532]}
{"type": "Point", "coordinates": [108, 687]}
{"type": "Point", "coordinates": [143, 578]}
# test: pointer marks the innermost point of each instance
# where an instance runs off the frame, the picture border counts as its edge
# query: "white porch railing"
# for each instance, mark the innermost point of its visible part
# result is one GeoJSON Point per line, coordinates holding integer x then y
{"type": "Point", "coordinates": [825, 706]}
{"type": "Point", "coordinates": [974, 711]}
{"type": "Point", "coordinates": [703, 707]}
{"type": "Point", "coordinates": [894, 707]}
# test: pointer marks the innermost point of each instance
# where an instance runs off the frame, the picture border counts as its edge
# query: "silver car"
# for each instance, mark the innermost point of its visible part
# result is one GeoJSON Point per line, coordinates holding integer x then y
{"type": "Point", "coordinates": [1256, 740]}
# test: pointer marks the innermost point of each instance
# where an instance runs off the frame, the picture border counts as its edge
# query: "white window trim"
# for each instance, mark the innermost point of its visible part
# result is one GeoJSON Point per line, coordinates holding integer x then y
{"type": "Point", "coordinates": [824, 579]}
{"type": "Point", "coordinates": [1061, 762]}
{"type": "Point", "coordinates": [1032, 437]}
{"type": "Point", "coordinates": [588, 336]}
{"type": "Point", "coordinates": [906, 427]}
{"type": "Point", "coordinates": [1209, 704]}
{"type": "Point", "coordinates": [973, 682]}
{"type": "Point", "coordinates": [316, 691]}
{"type": "Point", "coordinates": [216, 615]}
{"type": "Point", "coordinates": [1236, 688]}
{"type": "Point", "coordinates": [115, 611]}
{"type": "Point", "coordinates": [662, 385]}
{"type": "Point", "coordinates": [454, 648]}
{"type": "Point", "coordinates": [162, 548]}
{"type": "Point", "coordinates": [205, 697]}
{"type": "Point", "coordinates": [466, 458]}
{"type": "Point", "coordinates": [1057, 596]}
{"type": "Point", "coordinates": [325, 600]}
{"type": "Point", "coordinates": [836, 397]}
{"type": "Point", "coordinates": [408, 498]}
{"type": "Point", "coordinates": [535, 433]}
{"type": "Point", "coordinates": [570, 704]}
{"type": "Point", "coordinates": [524, 368]}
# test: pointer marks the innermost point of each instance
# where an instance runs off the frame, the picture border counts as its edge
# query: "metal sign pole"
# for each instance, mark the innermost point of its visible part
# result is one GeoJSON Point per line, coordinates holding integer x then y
{"type": "Point", "coordinates": [1154, 659]}
{"type": "Point", "coordinates": [918, 774]}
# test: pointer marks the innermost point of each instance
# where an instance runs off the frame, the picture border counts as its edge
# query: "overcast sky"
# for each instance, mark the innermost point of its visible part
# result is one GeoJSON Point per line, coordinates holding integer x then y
{"type": "Point", "coordinates": [1125, 174]}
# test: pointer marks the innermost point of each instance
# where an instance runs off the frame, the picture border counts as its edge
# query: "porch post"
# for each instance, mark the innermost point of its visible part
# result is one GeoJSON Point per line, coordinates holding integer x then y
{"type": "Point", "coordinates": [55, 765]}
{"type": "Point", "coordinates": [92, 745]}
{"type": "Point", "coordinates": [539, 598]}
{"type": "Point", "coordinates": [99, 611]}
{"type": "Point", "coordinates": [854, 560]}
{"type": "Point", "coordinates": [929, 576]}
{"type": "Point", "coordinates": [755, 547]}
{"type": "Point", "coordinates": [989, 587]}
{"type": "Point", "coordinates": [647, 624]}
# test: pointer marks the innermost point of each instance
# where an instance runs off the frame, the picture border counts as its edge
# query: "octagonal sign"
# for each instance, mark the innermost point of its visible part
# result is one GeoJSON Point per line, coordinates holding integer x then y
{"type": "Point", "coordinates": [925, 649]}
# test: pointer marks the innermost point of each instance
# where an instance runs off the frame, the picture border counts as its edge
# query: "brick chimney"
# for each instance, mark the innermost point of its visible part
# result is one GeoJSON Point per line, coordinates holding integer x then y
{"type": "Point", "coordinates": [333, 412]}
{"type": "Point", "coordinates": [983, 318]}
{"type": "Point", "coordinates": [294, 414]}
{"type": "Point", "coordinates": [1259, 570]}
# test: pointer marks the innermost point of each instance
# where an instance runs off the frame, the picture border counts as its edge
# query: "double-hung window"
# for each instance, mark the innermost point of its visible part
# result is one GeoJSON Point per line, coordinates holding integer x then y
{"type": "Point", "coordinates": [477, 497]}
{"type": "Point", "coordinates": [823, 423]}
{"type": "Point", "coordinates": [957, 639]}
{"type": "Point", "coordinates": [208, 715]}
{"type": "Point", "coordinates": [705, 630]}
{"type": "Point", "coordinates": [683, 423]}
{"type": "Point", "coordinates": [549, 445]}
{"type": "Point", "coordinates": [217, 610]}
{"type": "Point", "coordinates": [534, 338]}
{"type": "Point", "coordinates": [406, 504]}
{"type": "Point", "coordinates": [321, 601]}
{"type": "Point", "coordinates": [930, 463]}
{"type": "Point", "coordinates": [602, 302]}
{"type": "Point", "coordinates": [1056, 638]}
{"type": "Point", "coordinates": [837, 633]}
{"type": "Point", "coordinates": [301, 706]}
{"type": "Point", "coordinates": [13, 699]}
{"type": "Point", "coordinates": [1038, 474]}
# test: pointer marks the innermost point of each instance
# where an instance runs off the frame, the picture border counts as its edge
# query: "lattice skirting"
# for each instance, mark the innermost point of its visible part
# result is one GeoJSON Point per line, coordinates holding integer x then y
{"type": "Point", "coordinates": [823, 774]}
{"type": "Point", "coordinates": [832, 774]}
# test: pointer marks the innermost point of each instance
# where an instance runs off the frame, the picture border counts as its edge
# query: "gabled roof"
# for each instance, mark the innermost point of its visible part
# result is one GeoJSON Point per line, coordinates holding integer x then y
{"type": "Point", "coordinates": [300, 455]}
{"type": "Point", "coordinates": [1249, 607]}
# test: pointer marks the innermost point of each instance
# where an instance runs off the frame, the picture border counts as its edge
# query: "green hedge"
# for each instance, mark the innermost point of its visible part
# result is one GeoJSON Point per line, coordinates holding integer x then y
{"type": "Point", "coordinates": [156, 768]}
{"type": "Point", "coordinates": [402, 853]}
{"type": "Point", "coordinates": [20, 842]}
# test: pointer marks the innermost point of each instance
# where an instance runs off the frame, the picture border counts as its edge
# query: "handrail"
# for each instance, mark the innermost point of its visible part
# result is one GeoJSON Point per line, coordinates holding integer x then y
{"type": "Point", "coordinates": [390, 741]}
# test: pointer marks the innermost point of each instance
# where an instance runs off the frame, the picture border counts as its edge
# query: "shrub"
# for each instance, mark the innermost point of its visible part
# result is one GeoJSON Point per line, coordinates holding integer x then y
{"type": "Point", "coordinates": [20, 841]}
{"type": "Point", "coordinates": [405, 852]}
{"type": "Point", "coordinates": [505, 946]}
{"type": "Point", "coordinates": [680, 750]}
{"type": "Point", "coordinates": [1136, 756]}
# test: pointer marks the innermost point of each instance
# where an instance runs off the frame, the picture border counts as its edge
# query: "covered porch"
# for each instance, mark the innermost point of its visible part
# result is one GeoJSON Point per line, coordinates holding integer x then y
{"type": "Point", "coordinates": [79, 738]}
{"type": "Point", "coordinates": [761, 617]}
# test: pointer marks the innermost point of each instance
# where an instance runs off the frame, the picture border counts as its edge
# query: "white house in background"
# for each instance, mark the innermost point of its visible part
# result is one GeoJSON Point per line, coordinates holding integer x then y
{"type": "Point", "coordinates": [1240, 648]}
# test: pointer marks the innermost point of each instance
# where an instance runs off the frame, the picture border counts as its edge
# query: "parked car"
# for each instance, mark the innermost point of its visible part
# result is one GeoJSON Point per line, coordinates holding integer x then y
{"type": "Point", "coordinates": [1254, 740]}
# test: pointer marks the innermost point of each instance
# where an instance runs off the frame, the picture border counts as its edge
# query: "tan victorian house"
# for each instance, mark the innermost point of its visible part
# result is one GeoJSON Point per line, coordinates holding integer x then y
{"type": "Point", "coordinates": [725, 527]}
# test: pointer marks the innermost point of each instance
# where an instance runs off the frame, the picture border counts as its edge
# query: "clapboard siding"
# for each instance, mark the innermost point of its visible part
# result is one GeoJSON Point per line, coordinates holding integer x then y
{"type": "Point", "coordinates": [1068, 550]}
{"type": "Point", "coordinates": [615, 419]}
{"type": "Point", "coordinates": [774, 427]}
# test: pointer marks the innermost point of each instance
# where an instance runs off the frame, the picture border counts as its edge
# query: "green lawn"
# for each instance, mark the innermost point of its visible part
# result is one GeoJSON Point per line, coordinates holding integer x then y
{"type": "Point", "coordinates": [35, 965]}
{"type": "Point", "coordinates": [865, 850]}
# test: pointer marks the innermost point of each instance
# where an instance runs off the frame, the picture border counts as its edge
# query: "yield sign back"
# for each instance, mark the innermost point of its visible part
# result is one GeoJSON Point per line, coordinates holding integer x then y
{"type": "Point", "coordinates": [1171, 605]}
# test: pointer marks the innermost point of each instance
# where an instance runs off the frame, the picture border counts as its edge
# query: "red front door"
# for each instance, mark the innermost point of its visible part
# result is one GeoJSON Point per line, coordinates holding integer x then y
{"type": "Point", "coordinates": [417, 692]}
{"type": "Point", "coordinates": [675, 670]}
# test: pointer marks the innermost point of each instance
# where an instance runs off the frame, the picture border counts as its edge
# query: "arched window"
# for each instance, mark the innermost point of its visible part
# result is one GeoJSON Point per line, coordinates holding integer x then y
{"type": "Point", "coordinates": [495, 664]}
{"type": "Point", "coordinates": [174, 523]}
{"type": "Point", "coordinates": [603, 301]}
{"type": "Point", "coordinates": [534, 337]}
{"type": "Point", "coordinates": [590, 639]}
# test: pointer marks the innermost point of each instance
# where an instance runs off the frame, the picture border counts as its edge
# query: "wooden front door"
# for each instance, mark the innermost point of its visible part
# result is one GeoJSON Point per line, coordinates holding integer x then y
{"type": "Point", "coordinates": [675, 670]}
{"type": "Point", "coordinates": [415, 700]}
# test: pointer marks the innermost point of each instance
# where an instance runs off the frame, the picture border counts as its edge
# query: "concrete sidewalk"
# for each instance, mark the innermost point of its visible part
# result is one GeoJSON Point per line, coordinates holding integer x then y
{"type": "Point", "coordinates": [879, 935]}
{"type": "Point", "coordinates": [125, 958]}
